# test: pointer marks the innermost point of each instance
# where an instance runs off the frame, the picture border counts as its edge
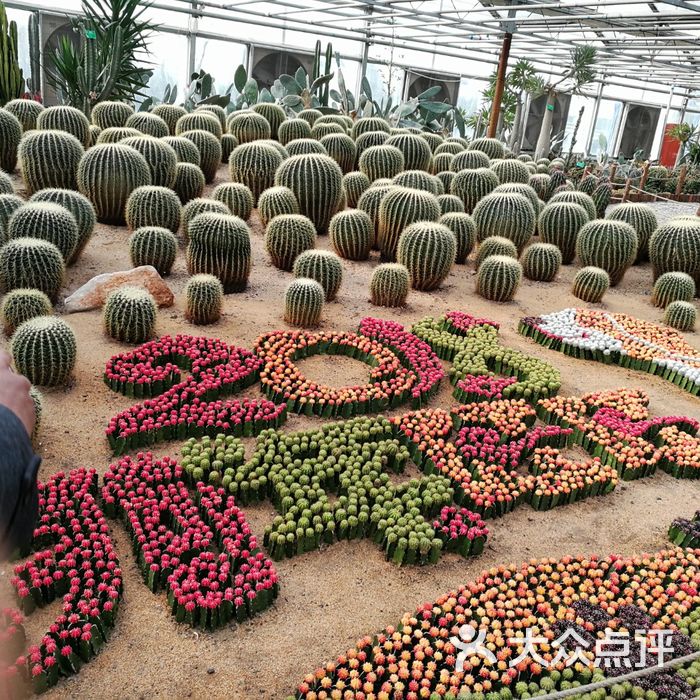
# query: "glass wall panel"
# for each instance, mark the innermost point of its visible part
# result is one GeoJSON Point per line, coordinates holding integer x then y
{"type": "Point", "coordinates": [385, 80]}
{"type": "Point", "coordinates": [577, 102]}
{"type": "Point", "coordinates": [609, 115]}
{"type": "Point", "coordinates": [470, 97]}
{"type": "Point", "coordinates": [220, 58]}
{"type": "Point", "coordinates": [22, 19]}
{"type": "Point", "coordinates": [169, 63]}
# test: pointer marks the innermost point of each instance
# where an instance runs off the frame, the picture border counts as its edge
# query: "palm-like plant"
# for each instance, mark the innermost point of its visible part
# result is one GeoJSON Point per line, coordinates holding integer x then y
{"type": "Point", "coordinates": [522, 80]}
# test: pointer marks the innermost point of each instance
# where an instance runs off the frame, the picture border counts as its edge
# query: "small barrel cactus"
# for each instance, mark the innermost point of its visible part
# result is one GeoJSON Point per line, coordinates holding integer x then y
{"type": "Point", "coordinates": [306, 147]}
{"type": "Point", "coordinates": [541, 262]}
{"type": "Point", "coordinates": [111, 114]}
{"type": "Point", "coordinates": [49, 159]}
{"type": "Point", "coordinates": [169, 114]}
{"type": "Point", "coordinates": [681, 315]}
{"type": "Point", "coordinates": [153, 206]}
{"type": "Point", "coordinates": [473, 185]}
{"type": "Point", "coordinates": [495, 245]}
{"type": "Point", "coordinates": [292, 129]}
{"type": "Point", "coordinates": [9, 204]}
{"type": "Point", "coordinates": [450, 147]}
{"type": "Point", "coordinates": [185, 150]}
{"type": "Point", "coordinates": [47, 221]}
{"type": "Point", "coordinates": [381, 161]}
{"type": "Point", "coordinates": [26, 111]}
{"type": "Point", "coordinates": [303, 303]}
{"type": "Point", "coordinates": [355, 184]}
{"type": "Point", "coordinates": [559, 223]}
{"type": "Point", "coordinates": [310, 115]}
{"type": "Point", "coordinates": [116, 134]}
{"type": "Point", "coordinates": [587, 184]}
{"type": "Point", "coordinates": [365, 124]}
{"type": "Point", "coordinates": [511, 170]}
{"type": "Point", "coordinates": [450, 204]}
{"type": "Point", "coordinates": [507, 215]}
{"type": "Point", "coordinates": [68, 119]}
{"type": "Point", "coordinates": [249, 126]}
{"type": "Point", "coordinates": [434, 140]}
{"type": "Point", "coordinates": [416, 151]}
{"type": "Point", "coordinates": [471, 160]}
{"type": "Point", "coordinates": [441, 162]}
{"type": "Point", "coordinates": [675, 247]}
{"type": "Point", "coordinates": [642, 219]}
{"type": "Point", "coordinates": [228, 144]}
{"type": "Point", "coordinates": [341, 148]}
{"type": "Point", "coordinates": [199, 206]}
{"type": "Point", "coordinates": [351, 234]}
{"type": "Point", "coordinates": [209, 148]}
{"type": "Point", "coordinates": [418, 180]}
{"type": "Point", "coordinates": [369, 139]}
{"type": "Point", "coordinates": [493, 148]}
{"type": "Point", "coordinates": [189, 182]}
{"type": "Point", "coordinates": [370, 201]}
{"type": "Point", "coordinates": [324, 267]}
{"type": "Point", "coordinates": [498, 278]}
{"type": "Point", "coordinates": [464, 229]}
{"type": "Point", "coordinates": [389, 285]}
{"type": "Point", "coordinates": [275, 201]}
{"type": "Point", "coordinates": [523, 189]}
{"type": "Point", "coordinates": [576, 198]}
{"type": "Point", "coordinates": [254, 165]}
{"type": "Point", "coordinates": [130, 315]}
{"type": "Point", "coordinates": [672, 286]}
{"type": "Point", "coordinates": [590, 284]}
{"type": "Point", "coordinates": [44, 350]}
{"type": "Point", "coordinates": [320, 130]}
{"type": "Point", "coordinates": [446, 177]}
{"type": "Point", "coordinates": [204, 299]}
{"type": "Point", "coordinates": [160, 157]}
{"type": "Point", "coordinates": [428, 251]}
{"type": "Point", "coordinates": [540, 183]}
{"type": "Point", "coordinates": [286, 237]}
{"type": "Point", "coordinates": [10, 135]}
{"type": "Point", "coordinates": [149, 124]}
{"type": "Point", "coordinates": [610, 245]}
{"type": "Point", "coordinates": [237, 197]}
{"type": "Point", "coordinates": [216, 111]}
{"type": "Point", "coordinates": [198, 120]}
{"type": "Point", "coordinates": [601, 198]}
{"type": "Point", "coordinates": [153, 245]}
{"type": "Point", "coordinates": [20, 305]}
{"type": "Point", "coordinates": [32, 264]}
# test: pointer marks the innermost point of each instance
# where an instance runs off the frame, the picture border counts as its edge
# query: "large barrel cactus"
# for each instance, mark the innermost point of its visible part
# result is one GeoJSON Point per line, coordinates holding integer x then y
{"type": "Point", "coordinates": [341, 148]}
{"type": "Point", "coordinates": [610, 245]}
{"type": "Point", "coordinates": [209, 148]}
{"type": "Point", "coordinates": [493, 148]}
{"type": "Point", "coordinates": [389, 285]}
{"type": "Point", "coordinates": [10, 135]}
{"type": "Point", "coordinates": [511, 170]}
{"type": "Point", "coordinates": [31, 263]}
{"type": "Point", "coordinates": [675, 247]}
{"type": "Point", "coordinates": [111, 114]}
{"type": "Point", "coordinates": [153, 206]}
{"type": "Point", "coordinates": [369, 139]}
{"type": "Point", "coordinates": [115, 134]}
{"type": "Point", "coordinates": [366, 124]}
{"type": "Point", "coordinates": [306, 147]}
{"type": "Point", "coordinates": [20, 305]}
{"type": "Point", "coordinates": [249, 126]}
{"type": "Point", "coordinates": [498, 278]}
{"type": "Point", "coordinates": [292, 129]}
{"type": "Point", "coordinates": [470, 160]}
{"type": "Point", "coordinates": [324, 267]}
{"type": "Point", "coordinates": [672, 286]}
{"type": "Point", "coordinates": [473, 185]}
{"type": "Point", "coordinates": [254, 165]}
{"type": "Point", "coordinates": [508, 215]}
{"type": "Point", "coordinates": [381, 161]}
{"type": "Point", "coordinates": [464, 229]}
{"type": "Point", "coordinates": [418, 180]}
{"type": "Point", "coordinates": [148, 124]}
{"type": "Point", "coordinates": [67, 119]}
{"type": "Point", "coordinates": [286, 237]}
{"type": "Point", "coordinates": [26, 111]}
{"type": "Point", "coordinates": [642, 219]}
{"type": "Point", "coordinates": [199, 120]}
{"type": "Point", "coordinates": [198, 206]}
{"type": "Point", "coordinates": [541, 262]}
{"type": "Point", "coordinates": [275, 201]}
{"type": "Point", "coordinates": [155, 246]}
{"type": "Point", "coordinates": [574, 197]}
{"type": "Point", "coordinates": [237, 197]}
{"type": "Point", "coordinates": [559, 223]}
{"type": "Point", "coordinates": [355, 184]}
{"type": "Point", "coordinates": [189, 182]}
{"type": "Point", "coordinates": [169, 114]}
{"type": "Point", "coordinates": [415, 149]}
{"type": "Point", "coordinates": [160, 157]}
{"type": "Point", "coordinates": [185, 150]}
{"type": "Point", "coordinates": [129, 315]}
{"type": "Point", "coordinates": [495, 245]}
{"type": "Point", "coordinates": [47, 221]}
{"type": "Point", "coordinates": [49, 159]}
{"type": "Point", "coordinates": [428, 251]}
{"type": "Point", "coordinates": [351, 234]}
{"type": "Point", "coordinates": [681, 315]}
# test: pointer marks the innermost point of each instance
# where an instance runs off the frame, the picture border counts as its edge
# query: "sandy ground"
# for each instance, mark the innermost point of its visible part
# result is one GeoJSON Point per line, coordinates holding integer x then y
{"type": "Point", "coordinates": [332, 597]}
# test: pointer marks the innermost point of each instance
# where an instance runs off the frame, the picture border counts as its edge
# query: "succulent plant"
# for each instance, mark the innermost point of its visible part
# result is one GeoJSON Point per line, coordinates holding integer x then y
{"type": "Point", "coordinates": [610, 245]}
{"type": "Point", "coordinates": [201, 121]}
{"type": "Point", "coordinates": [418, 180]}
{"type": "Point", "coordinates": [416, 151]}
{"type": "Point", "coordinates": [464, 229]}
{"type": "Point", "coordinates": [434, 140]}
{"type": "Point", "coordinates": [495, 245]}
{"type": "Point", "coordinates": [446, 177]}
{"type": "Point", "coordinates": [370, 138]}
{"type": "Point", "coordinates": [306, 147]}
{"type": "Point", "coordinates": [249, 126]}
{"type": "Point", "coordinates": [185, 150]}
{"type": "Point", "coordinates": [524, 190]}
{"type": "Point", "coordinates": [310, 115]}
{"type": "Point", "coordinates": [6, 186]}
{"type": "Point", "coordinates": [389, 285]}
{"type": "Point", "coordinates": [507, 215]}
{"type": "Point", "coordinates": [204, 299]}
{"type": "Point", "coordinates": [10, 135]}
{"type": "Point", "coordinates": [160, 157]}
{"type": "Point", "coordinates": [189, 182]}
{"type": "Point", "coordinates": [33, 264]}
{"type": "Point", "coordinates": [303, 303]}
{"type": "Point", "coordinates": [324, 267]}
{"type": "Point", "coordinates": [151, 205]}
{"type": "Point", "coordinates": [450, 204]}
{"type": "Point", "coordinates": [574, 197]}
{"type": "Point", "coordinates": [130, 315]}
{"type": "Point", "coordinates": [366, 124]}
{"type": "Point", "coordinates": [601, 198]}
{"type": "Point", "coordinates": [588, 184]}
{"type": "Point", "coordinates": [286, 237]}
{"type": "Point", "coordinates": [672, 286]}
{"type": "Point", "coordinates": [237, 197]}
{"type": "Point", "coordinates": [228, 144]}
{"type": "Point", "coordinates": [540, 184]}
{"type": "Point", "coordinates": [111, 114]}
{"type": "Point", "coordinates": [275, 201]}
{"type": "Point", "coordinates": [470, 160]}
{"type": "Point", "coordinates": [169, 114]}
{"type": "Point", "coordinates": [26, 112]}
{"type": "Point", "coordinates": [559, 223]}
{"type": "Point", "coordinates": [590, 284]}
{"type": "Point", "coordinates": [153, 245]}
{"type": "Point", "coordinates": [44, 350]}
{"type": "Point", "coordinates": [342, 149]}
{"type": "Point", "coordinates": [65, 118]}
{"type": "Point", "coordinates": [209, 148]}
{"type": "Point", "coordinates": [498, 278]}
{"type": "Point", "coordinates": [681, 315]}
{"type": "Point", "coordinates": [370, 201]}
{"type": "Point", "coordinates": [355, 183]}
{"type": "Point", "coordinates": [254, 165]}
{"type": "Point", "coordinates": [292, 129]}
{"type": "Point", "coordinates": [473, 185]}
{"type": "Point", "coordinates": [351, 234]}
{"type": "Point", "coordinates": [20, 305]}
{"type": "Point", "coordinates": [46, 221]}
{"type": "Point", "coordinates": [116, 134]}
{"type": "Point", "coordinates": [321, 129]}
{"type": "Point", "coordinates": [273, 114]}
{"type": "Point", "coordinates": [216, 111]}
{"type": "Point", "coordinates": [198, 206]}
{"type": "Point", "coordinates": [219, 245]}
{"type": "Point", "coordinates": [541, 262]}
{"type": "Point", "coordinates": [441, 162]}
{"type": "Point", "coordinates": [675, 247]}
{"type": "Point", "coordinates": [9, 203]}
{"type": "Point", "coordinates": [428, 251]}
{"type": "Point", "coordinates": [381, 161]}
{"type": "Point", "coordinates": [149, 124]}
{"type": "Point", "coordinates": [642, 219]}
{"type": "Point", "coordinates": [493, 148]}
{"type": "Point", "coordinates": [511, 170]}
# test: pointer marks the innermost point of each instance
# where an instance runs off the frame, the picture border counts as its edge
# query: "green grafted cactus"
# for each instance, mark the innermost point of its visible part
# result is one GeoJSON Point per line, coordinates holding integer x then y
{"type": "Point", "coordinates": [610, 245]}
{"type": "Point", "coordinates": [199, 206]}
{"type": "Point", "coordinates": [153, 245]}
{"type": "Point", "coordinates": [274, 114]}
{"type": "Point", "coordinates": [418, 180]}
{"type": "Point", "coordinates": [493, 148]}
{"type": "Point", "coordinates": [319, 130]}
{"type": "Point", "coordinates": [209, 148]}
{"type": "Point", "coordinates": [681, 315]}
{"type": "Point", "coordinates": [111, 114]}
{"type": "Point", "coordinates": [310, 115]}
{"type": "Point", "coordinates": [473, 185]}
{"type": "Point", "coordinates": [44, 350]}
{"type": "Point", "coordinates": [672, 286]}
{"type": "Point", "coordinates": [81, 209]}
{"type": "Point", "coordinates": [185, 150]}
{"type": "Point", "coordinates": [286, 237]}
{"type": "Point", "coordinates": [399, 208]}
{"type": "Point", "coordinates": [169, 114]}
{"type": "Point", "coordinates": [228, 144]}
{"type": "Point", "coordinates": [275, 201]}
{"type": "Point", "coordinates": [355, 184]}
{"type": "Point", "coordinates": [254, 165]}
{"type": "Point", "coordinates": [49, 159]}
{"type": "Point", "coordinates": [642, 219]}
{"type": "Point", "coordinates": [237, 197]}
{"type": "Point", "coordinates": [675, 247]}
{"type": "Point", "coordinates": [441, 162]}
{"type": "Point", "coordinates": [587, 184]}
{"type": "Point", "coordinates": [219, 245]}
{"type": "Point", "coordinates": [495, 245]}
{"type": "Point", "coordinates": [540, 183]}
{"type": "Point", "coordinates": [306, 147]}
{"type": "Point", "coordinates": [381, 161]}
{"type": "Point", "coordinates": [26, 112]}
{"type": "Point", "coordinates": [116, 134]}
{"type": "Point", "coordinates": [303, 303]}
{"type": "Point", "coordinates": [249, 126]}
{"type": "Point", "coordinates": [216, 111]}
{"type": "Point", "coordinates": [351, 234]}
{"type": "Point", "coordinates": [341, 148]}
{"type": "Point", "coordinates": [541, 262]}
{"type": "Point", "coordinates": [324, 267]}
{"type": "Point", "coordinates": [498, 278]}
{"type": "Point", "coordinates": [470, 160]}
{"type": "Point", "coordinates": [10, 135]}
{"type": "Point", "coordinates": [507, 215]}
{"type": "Point", "coordinates": [464, 229]}
{"type": "Point", "coordinates": [189, 182]}
{"type": "Point", "coordinates": [200, 121]}
{"type": "Point", "coordinates": [520, 188]}
{"type": "Point", "coordinates": [450, 204]}
{"type": "Point", "coordinates": [292, 129]}
{"type": "Point", "coordinates": [153, 206]}
{"type": "Point", "coordinates": [130, 315]}
{"type": "Point", "coordinates": [601, 198]}
{"type": "Point", "coordinates": [160, 157]}
{"type": "Point", "coordinates": [428, 251]}
{"type": "Point", "coordinates": [20, 305]}
{"type": "Point", "coordinates": [48, 222]}
{"type": "Point", "coordinates": [389, 285]}
{"type": "Point", "coordinates": [511, 170]}
{"type": "Point", "coordinates": [580, 198]}
{"type": "Point", "coordinates": [68, 119]}
{"type": "Point", "coordinates": [367, 124]}
{"type": "Point", "coordinates": [31, 263]}
{"type": "Point", "coordinates": [317, 184]}
{"type": "Point", "coordinates": [148, 124]}
{"type": "Point", "coordinates": [204, 299]}
{"type": "Point", "coordinates": [559, 223]}
{"type": "Point", "coordinates": [590, 284]}
{"type": "Point", "coordinates": [9, 203]}
{"type": "Point", "coordinates": [416, 152]}
{"type": "Point", "coordinates": [369, 202]}
{"type": "Point", "coordinates": [6, 184]}
{"type": "Point", "coordinates": [369, 139]}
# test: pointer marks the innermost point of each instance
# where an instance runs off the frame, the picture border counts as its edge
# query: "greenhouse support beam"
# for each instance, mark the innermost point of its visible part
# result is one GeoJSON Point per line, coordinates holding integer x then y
{"type": "Point", "coordinates": [500, 84]}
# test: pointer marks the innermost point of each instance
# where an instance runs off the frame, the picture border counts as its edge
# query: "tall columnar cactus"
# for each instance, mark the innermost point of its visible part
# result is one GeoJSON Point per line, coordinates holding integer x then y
{"type": "Point", "coordinates": [573, 197]}
{"type": "Point", "coordinates": [49, 159]}
{"type": "Point", "coordinates": [681, 315]}
{"type": "Point", "coordinates": [44, 350]}
{"type": "Point", "coordinates": [32, 263]}
{"type": "Point", "coordinates": [642, 219]}
{"type": "Point", "coordinates": [498, 278]}
{"type": "Point", "coordinates": [20, 305]}
{"type": "Point", "coordinates": [601, 198]}
{"type": "Point", "coordinates": [493, 148]}
{"type": "Point", "coordinates": [204, 299]}
{"type": "Point", "coordinates": [324, 267]}
{"type": "Point", "coordinates": [219, 245]}
{"type": "Point", "coordinates": [450, 204]}
{"type": "Point", "coordinates": [274, 114]}
{"type": "Point", "coordinates": [10, 135]}
{"type": "Point", "coordinates": [292, 129]}
{"type": "Point", "coordinates": [559, 223]}
{"type": "Point", "coordinates": [507, 215]}
{"type": "Point", "coordinates": [355, 184]}
{"type": "Point", "coordinates": [370, 138]}
{"type": "Point", "coordinates": [209, 148]}
{"type": "Point", "coordinates": [189, 182]}
{"type": "Point", "coordinates": [275, 201]}
{"type": "Point", "coordinates": [237, 197]}
{"type": "Point", "coordinates": [169, 114]}
{"type": "Point", "coordinates": [303, 303]}
{"type": "Point", "coordinates": [254, 165]}
{"type": "Point", "coordinates": [495, 245]}
{"type": "Point", "coordinates": [160, 157]}
{"type": "Point", "coordinates": [590, 284]}
{"type": "Point", "coordinates": [464, 229]}
{"type": "Point", "coordinates": [148, 124]}
{"type": "Point", "coordinates": [524, 190]}
{"type": "Point", "coordinates": [228, 144]}
{"type": "Point", "coordinates": [511, 170]}
{"type": "Point", "coordinates": [381, 161]}
{"type": "Point", "coordinates": [249, 126]}
{"type": "Point", "coordinates": [470, 160]}
{"type": "Point", "coordinates": [351, 234]}
{"type": "Point", "coordinates": [215, 111]}
{"type": "Point", "coordinates": [610, 245]}
{"type": "Point", "coordinates": [286, 237]}
{"type": "Point", "coordinates": [541, 262]}
{"type": "Point", "coordinates": [418, 180]}
{"type": "Point", "coordinates": [540, 183]}
{"type": "Point", "coordinates": [110, 114]}
{"type": "Point", "coordinates": [130, 315]}
{"type": "Point", "coordinates": [389, 285]}
{"type": "Point", "coordinates": [153, 245]}
{"type": "Point", "coordinates": [185, 150]}
{"type": "Point", "coordinates": [27, 111]}
{"type": "Point", "coordinates": [341, 148]}
{"type": "Point", "coordinates": [399, 208]}
{"type": "Point", "coordinates": [416, 152]}
{"type": "Point", "coordinates": [675, 247]}
{"type": "Point", "coordinates": [68, 119]}
{"type": "Point", "coordinates": [116, 134]}
{"type": "Point", "coordinates": [306, 147]}
{"type": "Point", "coordinates": [473, 185]}
{"type": "Point", "coordinates": [317, 183]}
{"type": "Point", "coordinates": [199, 206]}
{"type": "Point", "coordinates": [153, 206]}
{"type": "Point", "coordinates": [199, 120]}
{"type": "Point", "coordinates": [9, 203]}
{"type": "Point", "coordinates": [366, 124]}
{"type": "Point", "coordinates": [672, 286]}
{"type": "Point", "coordinates": [48, 222]}
{"type": "Point", "coordinates": [428, 251]}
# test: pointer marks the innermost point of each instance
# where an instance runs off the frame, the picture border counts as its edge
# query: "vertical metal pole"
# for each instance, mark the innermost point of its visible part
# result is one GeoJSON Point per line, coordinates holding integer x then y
{"type": "Point", "coordinates": [664, 124]}
{"type": "Point", "coordinates": [365, 50]}
{"type": "Point", "coordinates": [594, 116]}
{"type": "Point", "coordinates": [192, 26]}
{"type": "Point", "coordinates": [523, 119]}
{"type": "Point", "coordinates": [619, 128]}
{"type": "Point", "coordinates": [500, 84]}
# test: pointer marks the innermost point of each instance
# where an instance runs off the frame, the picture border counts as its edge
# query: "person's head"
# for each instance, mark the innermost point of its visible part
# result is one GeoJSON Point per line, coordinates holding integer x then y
{"type": "Point", "coordinates": [19, 508]}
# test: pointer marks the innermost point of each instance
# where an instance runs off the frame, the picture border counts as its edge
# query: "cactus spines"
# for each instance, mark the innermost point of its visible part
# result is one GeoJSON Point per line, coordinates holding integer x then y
{"type": "Point", "coordinates": [286, 237]}
{"type": "Point", "coordinates": [498, 278]}
{"type": "Point", "coordinates": [642, 219]}
{"type": "Point", "coordinates": [342, 149]}
{"type": "Point", "coordinates": [10, 135]}
{"type": "Point", "coordinates": [415, 149]}
{"type": "Point", "coordinates": [46, 221]}
{"type": "Point", "coordinates": [153, 206]}
{"type": "Point", "coordinates": [509, 215]}
{"type": "Point", "coordinates": [198, 206]}
{"type": "Point", "coordinates": [367, 124]}
{"type": "Point", "coordinates": [6, 186]}
{"type": "Point", "coordinates": [204, 299]}
{"type": "Point", "coordinates": [351, 234]}
{"type": "Point", "coordinates": [399, 208]}
{"type": "Point", "coordinates": [49, 159]}
{"type": "Point", "coordinates": [67, 119]}
{"type": "Point", "coordinates": [9, 203]}
{"type": "Point", "coordinates": [219, 245]}
{"type": "Point", "coordinates": [559, 223]}
{"type": "Point", "coordinates": [370, 138]}
{"type": "Point", "coordinates": [610, 245]}
{"type": "Point", "coordinates": [26, 112]}
{"type": "Point", "coordinates": [292, 129]}
{"type": "Point", "coordinates": [672, 286]}
{"type": "Point", "coordinates": [20, 305]}
{"type": "Point", "coordinates": [130, 315]}
{"type": "Point", "coordinates": [160, 157]}
{"type": "Point", "coordinates": [216, 111]}
{"type": "Point", "coordinates": [450, 204]}
{"type": "Point", "coordinates": [44, 350]}
{"type": "Point", "coordinates": [198, 120]}
{"type": "Point", "coordinates": [153, 245]}
{"type": "Point", "coordinates": [601, 198]}
{"type": "Point", "coordinates": [680, 315]}
{"type": "Point", "coordinates": [237, 197]}
{"type": "Point", "coordinates": [541, 262]}
{"type": "Point", "coordinates": [249, 126]}
{"type": "Point", "coordinates": [305, 147]}
{"type": "Point", "coordinates": [189, 182]}
{"type": "Point", "coordinates": [228, 143]}
{"type": "Point", "coordinates": [511, 170]}
{"type": "Point", "coordinates": [493, 148]}
{"type": "Point", "coordinates": [540, 183]}
{"type": "Point", "coordinates": [575, 197]}
{"type": "Point", "coordinates": [441, 162]}
{"type": "Point", "coordinates": [303, 303]}
{"type": "Point", "coordinates": [389, 285]}
{"type": "Point", "coordinates": [675, 247]}
{"type": "Point", "coordinates": [418, 180]}
{"type": "Point", "coordinates": [587, 184]}
{"type": "Point", "coordinates": [428, 251]}
{"type": "Point", "coordinates": [149, 124]}
{"type": "Point", "coordinates": [185, 150]}
{"type": "Point", "coordinates": [321, 129]}
{"type": "Point", "coordinates": [381, 161]}
{"type": "Point", "coordinates": [355, 184]}
{"type": "Point", "coordinates": [523, 189]}
{"type": "Point", "coordinates": [470, 160]}
{"type": "Point", "coordinates": [115, 134]}
{"type": "Point", "coordinates": [169, 114]}
{"type": "Point", "coordinates": [446, 177]}
{"type": "Point", "coordinates": [209, 148]}
{"type": "Point", "coordinates": [434, 140]}
{"type": "Point", "coordinates": [495, 245]}
{"type": "Point", "coordinates": [110, 114]}
{"type": "Point", "coordinates": [590, 284]}
{"type": "Point", "coordinates": [310, 115]}
{"type": "Point", "coordinates": [369, 202]}
{"type": "Point", "coordinates": [254, 165]}
{"type": "Point", "coordinates": [324, 267]}
{"type": "Point", "coordinates": [464, 229]}
{"type": "Point", "coordinates": [95, 132]}
{"type": "Point", "coordinates": [32, 263]}
{"type": "Point", "coordinates": [275, 201]}
{"type": "Point", "coordinates": [448, 147]}
{"type": "Point", "coordinates": [274, 115]}
{"type": "Point", "coordinates": [473, 185]}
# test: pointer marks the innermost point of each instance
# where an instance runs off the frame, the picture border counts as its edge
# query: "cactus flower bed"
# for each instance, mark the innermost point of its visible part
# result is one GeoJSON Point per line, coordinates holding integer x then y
{"type": "Point", "coordinates": [684, 532]}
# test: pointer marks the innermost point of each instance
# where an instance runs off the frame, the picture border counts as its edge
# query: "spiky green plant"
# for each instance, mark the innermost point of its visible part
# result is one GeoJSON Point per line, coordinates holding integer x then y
{"type": "Point", "coordinates": [495, 245]}
{"type": "Point", "coordinates": [204, 299]}
{"type": "Point", "coordinates": [672, 286]}
{"type": "Point", "coordinates": [590, 284]}
{"type": "Point", "coordinates": [587, 184]}
{"type": "Point", "coordinates": [464, 229]}
{"type": "Point", "coordinates": [237, 197]}
{"type": "Point", "coordinates": [355, 184]}
{"type": "Point", "coordinates": [573, 197]}
{"type": "Point", "coordinates": [498, 278]}
{"type": "Point", "coordinates": [559, 223]}
{"type": "Point", "coordinates": [428, 251]}
{"type": "Point", "coordinates": [493, 148]}
{"type": "Point", "coordinates": [65, 118]}
{"type": "Point", "coordinates": [273, 114]}
{"type": "Point", "coordinates": [511, 170]}
{"type": "Point", "coordinates": [153, 245]}
{"type": "Point", "coordinates": [129, 315]}
{"type": "Point", "coordinates": [370, 201]}
{"type": "Point", "coordinates": [199, 120]}
{"type": "Point", "coordinates": [216, 111]}
{"type": "Point", "coordinates": [185, 150]}
{"type": "Point", "coordinates": [389, 285]}
{"type": "Point", "coordinates": [351, 234]}
{"type": "Point", "coordinates": [49, 159]}
{"type": "Point", "coordinates": [610, 245]}
{"type": "Point", "coordinates": [473, 185]}
{"type": "Point", "coordinates": [434, 140]}
{"type": "Point", "coordinates": [370, 138]}
{"type": "Point", "coordinates": [681, 315]}
{"type": "Point", "coordinates": [675, 247]}
{"type": "Point", "coordinates": [319, 130]}
{"type": "Point", "coordinates": [540, 183]}
{"type": "Point", "coordinates": [286, 237]}
{"type": "Point", "coordinates": [470, 160]}
{"type": "Point", "coordinates": [275, 201]}
{"type": "Point", "coordinates": [228, 144]}
{"type": "Point", "coordinates": [111, 114]}
{"type": "Point", "coordinates": [249, 126]}
{"type": "Point", "coordinates": [541, 262]}
{"type": "Point", "coordinates": [441, 162]}
{"type": "Point", "coordinates": [153, 206]}
{"type": "Point", "coordinates": [20, 305]}
{"type": "Point", "coordinates": [324, 267]}
{"type": "Point", "coordinates": [160, 157]}
{"type": "Point", "coordinates": [381, 161]}
{"type": "Point", "coordinates": [601, 198]}
{"type": "Point", "coordinates": [642, 219]}
{"type": "Point", "coordinates": [310, 115]}
{"type": "Point", "coordinates": [306, 147]}
{"type": "Point", "coordinates": [450, 204]}
{"type": "Point", "coordinates": [26, 111]}
{"type": "Point", "coordinates": [6, 186]}
{"type": "Point", "coordinates": [254, 165]}
{"type": "Point", "coordinates": [169, 114]}
{"type": "Point", "coordinates": [508, 215]}
{"type": "Point", "coordinates": [367, 124]}
{"type": "Point", "coordinates": [10, 135]}
{"type": "Point", "coordinates": [200, 205]}
{"type": "Point", "coordinates": [303, 303]}
{"type": "Point", "coordinates": [292, 129]}
{"type": "Point", "coordinates": [416, 151]}
{"type": "Point", "coordinates": [418, 180]}
{"type": "Point", "coordinates": [209, 148]}
{"type": "Point", "coordinates": [524, 190]}
{"type": "Point", "coordinates": [149, 124]}
{"type": "Point", "coordinates": [451, 147]}
{"type": "Point", "coordinates": [342, 149]}
{"type": "Point", "coordinates": [116, 134]}
{"type": "Point", "coordinates": [32, 263]}
{"type": "Point", "coordinates": [9, 203]}
{"type": "Point", "coordinates": [46, 221]}
{"type": "Point", "coordinates": [189, 182]}
{"type": "Point", "coordinates": [446, 177]}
